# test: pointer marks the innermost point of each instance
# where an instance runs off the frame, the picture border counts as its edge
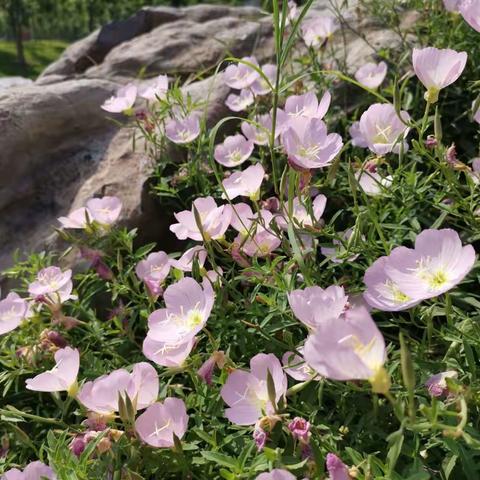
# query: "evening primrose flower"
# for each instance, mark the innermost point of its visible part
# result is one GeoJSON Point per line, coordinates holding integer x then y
{"type": "Point", "coordinates": [371, 75]}
{"type": "Point", "coordinates": [246, 183]}
{"type": "Point", "coordinates": [62, 377]}
{"type": "Point", "coordinates": [452, 5]}
{"type": "Point", "coordinates": [382, 129]}
{"type": "Point", "coordinates": [437, 69]}
{"type": "Point", "coordinates": [437, 263]}
{"type": "Point", "coordinates": [358, 140]}
{"type": "Point", "coordinates": [350, 348]}
{"type": "Point", "coordinates": [104, 211]}
{"type": "Point", "coordinates": [234, 150]}
{"type": "Point", "coordinates": [240, 102]}
{"type": "Point", "coordinates": [214, 220]}
{"type": "Point", "coordinates": [259, 132]}
{"type": "Point", "coordinates": [153, 271]}
{"type": "Point", "coordinates": [156, 88]}
{"type": "Point", "coordinates": [161, 421]}
{"type": "Point", "coordinates": [13, 311]}
{"type": "Point", "coordinates": [122, 101]}
{"type": "Point", "coordinates": [167, 354]}
{"type": "Point", "coordinates": [188, 307]}
{"type": "Point", "coordinates": [372, 183]}
{"type": "Point", "coordinates": [101, 395]}
{"type": "Point", "coordinates": [308, 145]}
{"type": "Point", "coordinates": [52, 284]}
{"type": "Point", "coordinates": [470, 11]}
{"type": "Point", "coordinates": [246, 392]}
{"type": "Point", "coordinates": [33, 471]}
{"type": "Point", "coordinates": [261, 240]}
{"type": "Point", "coordinates": [296, 367]}
{"type": "Point", "coordinates": [317, 30]}
{"type": "Point", "coordinates": [337, 470]}
{"type": "Point", "coordinates": [183, 130]}
{"type": "Point", "coordinates": [307, 106]}
{"type": "Point", "coordinates": [260, 86]}
{"type": "Point", "coordinates": [185, 262]}
{"type": "Point", "coordinates": [276, 474]}
{"type": "Point", "coordinates": [300, 214]}
{"type": "Point", "coordinates": [241, 75]}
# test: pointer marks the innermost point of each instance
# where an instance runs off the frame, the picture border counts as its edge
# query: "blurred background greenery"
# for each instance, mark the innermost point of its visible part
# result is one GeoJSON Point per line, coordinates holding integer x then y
{"type": "Point", "coordinates": [33, 33]}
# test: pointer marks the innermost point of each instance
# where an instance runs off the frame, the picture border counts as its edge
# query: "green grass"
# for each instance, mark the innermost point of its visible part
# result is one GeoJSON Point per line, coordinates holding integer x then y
{"type": "Point", "coordinates": [39, 54]}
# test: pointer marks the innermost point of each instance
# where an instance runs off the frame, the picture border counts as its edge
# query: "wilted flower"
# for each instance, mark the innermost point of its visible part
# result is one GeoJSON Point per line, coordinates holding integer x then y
{"type": "Point", "coordinates": [205, 372]}
{"type": "Point", "coordinates": [246, 183]}
{"type": "Point", "coordinates": [431, 141]}
{"type": "Point", "coordinates": [62, 377]}
{"type": "Point", "coordinates": [260, 86]}
{"type": "Point", "coordinates": [372, 183]}
{"type": "Point", "coordinates": [371, 75]}
{"type": "Point", "coordinates": [213, 220]}
{"type": "Point", "coordinates": [276, 474]}
{"type": "Point", "coordinates": [437, 384]}
{"type": "Point", "coordinates": [382, 129]}
{"type": "Point", "coordinates": [185, 262]}
{"type": "Point", "coordinates": [409, 275]}
{"type": "Point", "coordinates": [317, 30]}
{"type": "Point", "coordinates": [160, 422]}
{"type": "Point", "coordinates": [122, 101]}
{"type": "Point", "coordinates": [52, 284]}
{"type": "Point", "coordinates": [308, 145]}
{"type": "Point", "coordinates": [300, 214]}
{"type": "Point", "coordinates": [246, 392]}
{"type": "Point", "coordinates": [238, 103]}
{"type": "Point", "coordinates": [52, 340]}
{"type": "Point", "coordinates": [476, 110]}
{"type": "Point", "coordinates": [104, 211]}
{"type": "Point", "coordinates": [300, 428]}
{"type": "Point", "coordinates": [234, 150]}
{"type": "Point", "coordinates": [184, 130]}
{"type": "Point", "coordinates": [437, 69]}
{"type": "Point", "coordinates": [337, 470]}
{"type": "Point", "coordinates": [33, 471]}
{"type": "Point", "coordinates": [307, 106]}
{"type": "Point", "coordinates": [241, 75]}
{"type": "Point", "coordinates": [153, 271]}
{"type": "Point", "coordinates": [350, 348]}
{"type": "Point", "coordinates": [260, 437]}
{"type": "Point", "coordinates": [296, 367]}
{"type": "Point", "coordinates": [13, 310]}
{"type": "Point", "coordinates": [314, 305]}
{"type": "Point", "coordinates": [155, 88]}
{"type": "Point", "coordinates": [141, 386]}
{"type": "Point", "coordinates": [470, 11]}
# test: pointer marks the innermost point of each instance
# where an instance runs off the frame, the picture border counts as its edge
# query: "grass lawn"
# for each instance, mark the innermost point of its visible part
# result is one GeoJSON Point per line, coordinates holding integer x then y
{"type": "Point", "coordinates": [39, 54]}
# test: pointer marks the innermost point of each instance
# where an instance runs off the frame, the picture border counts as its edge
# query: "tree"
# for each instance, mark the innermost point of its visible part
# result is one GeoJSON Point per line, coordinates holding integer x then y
{"type": "Point", "coordinates": [16, 13]}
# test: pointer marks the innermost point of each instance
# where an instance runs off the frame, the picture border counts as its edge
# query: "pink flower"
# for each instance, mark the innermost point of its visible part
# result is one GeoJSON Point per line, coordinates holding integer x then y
{"type": "Point", "coordinates": [157, 87]}
{"type": "Point", "coordinates": [437, 384]}
{"type": "Point", "coordinates": [234, 150]}
{"type": "Point", "coordinates": [300, 428]}
{"type": "Point", "coordinates": [188, 307]}
{"type": "Point", "coordinates": [104, 211]}
{"type": "Point", "coordinates": [452, 5]}
{"type": "Point", "coordinates": [371, 75]}
{"type": "Point", "coordinates": [167, 354]}
{"type": "Point", "coordinates": [470, 11]}
{"type": "Point", "coordinates": [122, 101]}
{"type": "Point", "coordinates": [246, 183]}
{"type": "Point", "coordinates": [407, 276]}
{"type": "Point", "coordinates": [33, 471]}
{"type": "Point", "coordinates": [337, 470]}
{"type": "Point", "coordinates": [308, 145]}
{"type": "Point", "coordinates": [153, 271]}
{"type": "Point", "coordinates": [300, 214]}
{"type": "Point", "coordinates": [260, 437]}
{"type": "Point", "coordinates": [260, 86]}
{"type": "Point", "coordinates": [350, 348]}
{"type": "Point", "coordinates": [437, 69]}
{"type": "Point", "coordinates": [62, 377]}
{"type": "Point", "coordinates": [372, 183]}
{"type": "Point", "coordinates": [337, 253]}
{"type": "Point", "coordinates": [246, 393]}
{"type": "Point", "coordinates": [314, 305]}
{"type": "Point", "coordinates": [317, 30]}
{"type": "Point", "coordinates": [276, 474]}
{"type": "Point", "coordinates": [296, 367]}
{"type": "Point", "coordinates": [261, 240]}
{"type": "Point", "coordinates": [307, 106]}
{"type": "Point", "coordinates": [185, 262]}
{"type": "Point", "coordinates": [242, 218]}
{"type": "Point", "coordinates": [358, 140]}
{"type": "Point", "coordinates": [161, 421]}
{"type": "Point", "coordinates": [13, 310]}
{"type": "Point", "coordinates": [184, 130]}
{"type": "Point", "coordinates": [214, 221]}
{"type": "Point", "coordinates": [141, 386]}
{"type": "Point", "coordinates": [53, 284]}
{"type": "Point", "coordinates": [238, 103]}
{"type": "Point", "coordinates": [260, 131]}
{"type": "Point", "coordinates": [205, 372]}
{"type": "Point", "coordinates": [476, 113]}
{"type": "Point", "coordinates": [241, 75]}
{"type": "Point", "coordinates": [383, 130]}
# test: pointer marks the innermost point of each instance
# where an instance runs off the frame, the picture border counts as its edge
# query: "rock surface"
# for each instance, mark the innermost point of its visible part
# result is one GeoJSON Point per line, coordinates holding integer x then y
{"type": "Point", "coordinates": [58, 148]}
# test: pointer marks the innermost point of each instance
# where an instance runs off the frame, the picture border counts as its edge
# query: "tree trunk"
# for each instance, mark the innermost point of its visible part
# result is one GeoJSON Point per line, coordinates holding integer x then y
{"type": "Point", "coordinates": [15, 14]}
